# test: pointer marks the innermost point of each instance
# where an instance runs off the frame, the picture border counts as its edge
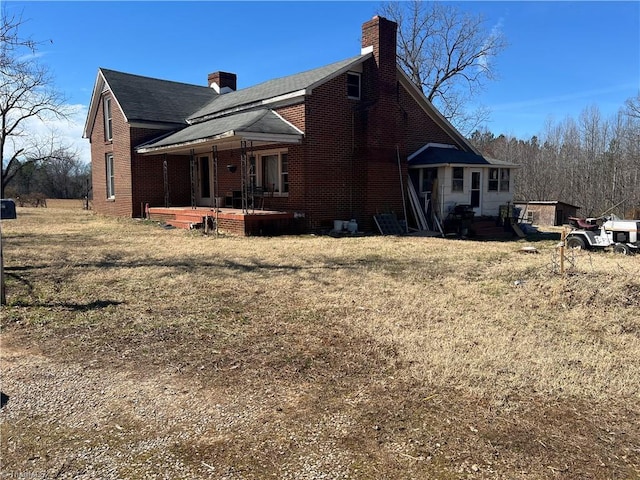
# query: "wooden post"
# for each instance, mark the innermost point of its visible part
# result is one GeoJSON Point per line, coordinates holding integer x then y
{"type": "Point", "coordinates": [3, 294]}
{"type": "Point", "coordinates": [563, 239]}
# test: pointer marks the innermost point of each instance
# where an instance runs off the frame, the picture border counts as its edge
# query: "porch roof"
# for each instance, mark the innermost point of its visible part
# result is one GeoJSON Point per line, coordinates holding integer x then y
{"type": "Point", "coordinates": [261, 125]}
{"type": "Point", "coordinates": [433, 156]}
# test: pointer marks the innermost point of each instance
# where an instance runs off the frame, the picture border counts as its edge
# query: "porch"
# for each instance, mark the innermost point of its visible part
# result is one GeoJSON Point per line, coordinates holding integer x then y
{"type": "Point", "coordinates": [229, 220]}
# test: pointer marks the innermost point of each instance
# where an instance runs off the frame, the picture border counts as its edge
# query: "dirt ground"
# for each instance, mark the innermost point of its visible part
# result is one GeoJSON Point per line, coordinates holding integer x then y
{"type": "Point", "coordinates": [133, 352]}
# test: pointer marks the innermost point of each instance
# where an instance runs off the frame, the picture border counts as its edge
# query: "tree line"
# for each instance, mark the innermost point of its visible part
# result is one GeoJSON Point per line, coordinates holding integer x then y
{"type": "Point", "coordinates": [591, 162]}
{"type": "Point", "coordinates": [60, 175]}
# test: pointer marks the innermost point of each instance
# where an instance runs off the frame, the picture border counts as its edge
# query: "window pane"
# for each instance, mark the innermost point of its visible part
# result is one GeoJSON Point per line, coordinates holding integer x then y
{"type": "Point", "coordinates": [458, 179]}
{"type": "Point", "coordinates": [353, 85]}
{"type": "Point", "coordinates": [270, 173]}
{"type": "Point", "coordinates": [107, 119]}
{"type": "Point", "coordinates": [252, 172]}
{"type": "Point", "coordinates": [284, 160]}
{"type": "Point", "coordinates": [504, 179]}
{"type": "Point", "coordinates": [493, 179]}
{"type": "Point", "coordinates": [111, 178]}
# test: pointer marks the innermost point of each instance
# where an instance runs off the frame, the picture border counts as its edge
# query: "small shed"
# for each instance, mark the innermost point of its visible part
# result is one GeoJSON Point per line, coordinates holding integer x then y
{"type": "Point", "coordinates": [546, 213]}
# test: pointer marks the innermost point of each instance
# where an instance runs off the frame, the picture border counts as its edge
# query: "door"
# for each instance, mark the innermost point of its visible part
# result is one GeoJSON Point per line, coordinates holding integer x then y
{"type": "Point", "coordinates": [476, 191]}
{"type": "Point", "coordinates": [205, 181]}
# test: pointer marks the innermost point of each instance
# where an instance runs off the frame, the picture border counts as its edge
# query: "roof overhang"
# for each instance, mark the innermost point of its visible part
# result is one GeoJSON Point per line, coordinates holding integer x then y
{"type": "Point", "coordinates": [434, 155]}
{"type": "Point", "coordinates": [260, 127]}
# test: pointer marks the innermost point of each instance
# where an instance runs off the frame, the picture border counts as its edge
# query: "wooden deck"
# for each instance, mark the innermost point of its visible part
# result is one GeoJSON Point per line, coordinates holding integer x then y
{"type": "Point", "coordinates": [229, 220]}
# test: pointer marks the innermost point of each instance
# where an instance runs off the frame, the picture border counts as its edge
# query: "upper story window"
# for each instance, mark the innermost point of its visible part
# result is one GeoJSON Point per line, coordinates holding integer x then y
{"type": "Point", "coordinates": [108, 123]}
{"type": "Point", "coordinates": [499, 179]}
{"type": "Point", "coordinates": [270, 171]}
{"type": "Point", "coordinates": [353, 85]}
{"type": "Point", "coordinates": [457, 183]}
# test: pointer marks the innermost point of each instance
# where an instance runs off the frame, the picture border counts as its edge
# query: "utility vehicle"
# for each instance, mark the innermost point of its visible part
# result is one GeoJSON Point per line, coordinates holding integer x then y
{"type": "Point", "coordinates": [604, 232]}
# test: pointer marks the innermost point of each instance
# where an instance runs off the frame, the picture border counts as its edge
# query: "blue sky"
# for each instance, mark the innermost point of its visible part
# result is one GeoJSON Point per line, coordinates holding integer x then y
{"type": "Point", "coordinates": [562, 56]}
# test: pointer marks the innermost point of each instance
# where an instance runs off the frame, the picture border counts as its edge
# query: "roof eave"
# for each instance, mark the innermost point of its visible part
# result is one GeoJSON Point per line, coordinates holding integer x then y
{"type": "Point", "coordinates": [226, 137]}
{"type": "Point", "coordinates": [98, 88]}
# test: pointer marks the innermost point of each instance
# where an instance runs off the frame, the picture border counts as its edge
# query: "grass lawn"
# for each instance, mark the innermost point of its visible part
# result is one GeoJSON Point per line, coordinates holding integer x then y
{"type": "Point", "coordinates": [130, 351]}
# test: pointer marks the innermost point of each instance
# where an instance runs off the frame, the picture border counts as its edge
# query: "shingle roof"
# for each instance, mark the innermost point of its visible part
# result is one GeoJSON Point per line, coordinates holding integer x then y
{"type": "Point", "coordinates": [261, 121]}
{"type": "Point", "coordinates": [276, 87]}
{"type": "Point", "coordinates": [440, 155]}
{"type": "Point", "coordinates": [450, 156]}
{"type": "Point", "coordinates": [154, 100]}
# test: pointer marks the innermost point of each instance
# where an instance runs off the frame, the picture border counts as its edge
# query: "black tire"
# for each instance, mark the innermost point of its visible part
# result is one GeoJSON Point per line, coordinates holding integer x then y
{"type": "Point", "coordinates": [576, 243]}
{"type": "Point", "coordinates": [621, 249]}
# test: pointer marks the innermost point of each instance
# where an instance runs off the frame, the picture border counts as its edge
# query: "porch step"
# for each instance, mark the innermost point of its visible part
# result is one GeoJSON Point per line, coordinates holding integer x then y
{"type": "Point", "coordinates": [188, 220]}
{"type": "Point", "coordinates": [184, 224]}
{"type": "Point", "coordinates": [488, 230]}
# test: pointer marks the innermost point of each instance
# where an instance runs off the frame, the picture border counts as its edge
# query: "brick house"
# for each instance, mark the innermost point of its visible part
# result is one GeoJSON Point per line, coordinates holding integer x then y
{"type": "Point", "coordinates": [336, 142]}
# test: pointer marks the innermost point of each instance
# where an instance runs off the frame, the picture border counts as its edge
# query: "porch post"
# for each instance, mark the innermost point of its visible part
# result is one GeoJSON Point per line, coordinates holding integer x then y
{"type": "Point", "coordinates": [216, 193]}
{"type": "Point", "coordinates": [244, 184]}
{"type": "Point", "coordinates": [192, 170]}
{"type": "Point", "coordinates": [165, 174]}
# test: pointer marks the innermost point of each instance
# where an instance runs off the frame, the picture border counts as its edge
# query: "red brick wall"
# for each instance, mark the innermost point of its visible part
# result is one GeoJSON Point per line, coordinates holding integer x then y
{"type": "Point", "coordinates": [421, 129]}
{"type": "Point", "coordinates": [120, 148]}
{"type": "Point", "coordinates": [138, 179]}
{"type": "Point", "coordinates": [148, 175]}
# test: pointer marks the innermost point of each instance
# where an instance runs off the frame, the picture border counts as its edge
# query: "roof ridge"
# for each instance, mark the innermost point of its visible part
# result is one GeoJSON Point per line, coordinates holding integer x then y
{"type": "Point", "coordinates": [146, 77]}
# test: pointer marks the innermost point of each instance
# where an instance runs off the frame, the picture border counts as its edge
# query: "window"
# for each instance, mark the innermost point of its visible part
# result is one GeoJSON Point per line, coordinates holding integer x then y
{"type": "Point", "coordinates": [353, 85]}
{"type": "Point", "coordinates": [457, 184]}
{"type": "Point", "coordinates": [111, 177]}
{"type": "Point", "coordinates": [270, 171]}
{"type": "Point", "coordinates": [499, 179]}
{"type": "Point", "coordinates": [108, 123]}
{"type": "Point", "coordinates": [504, 179]}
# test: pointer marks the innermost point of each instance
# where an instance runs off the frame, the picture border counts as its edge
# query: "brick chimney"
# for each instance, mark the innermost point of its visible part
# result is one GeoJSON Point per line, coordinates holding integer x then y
{"type": "Point", "coordinates": [379, 83]}
{"type": "Point", "coordinates": [380, 35]}
{"type": "Point", "coordinates": [222, 82]}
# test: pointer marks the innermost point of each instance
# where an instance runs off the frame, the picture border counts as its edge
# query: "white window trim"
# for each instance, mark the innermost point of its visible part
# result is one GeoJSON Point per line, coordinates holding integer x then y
{"type": "Point", "coordinates": [499, 188]}
{"type": "Point", "coordinates": [259, 171]}
{"type": "Point", "coordinates": [454, 178]}
{"type": "Point", "coordinates": [111, 177]}
{"type": "Point", "coordinates": [108, 119]}
{"type": "Point", "coordinates": [356, 74]}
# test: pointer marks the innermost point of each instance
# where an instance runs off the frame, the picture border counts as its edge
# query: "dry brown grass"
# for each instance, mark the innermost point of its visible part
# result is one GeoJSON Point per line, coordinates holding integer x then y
{"type": "Point", "coordinates": [67, 203]}
{"type": "Point", "coordinates": [315, 357]}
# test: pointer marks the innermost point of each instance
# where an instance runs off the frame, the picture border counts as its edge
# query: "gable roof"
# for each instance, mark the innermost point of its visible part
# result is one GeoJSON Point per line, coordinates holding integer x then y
{"type": "Point", "coordinates": [258, 125]}
{"type": "Point", "coordinates": [148, 100]}
{"type": "Point", "coordinates": [272, 90]}
{"type": "Point", "coordinates": [144, 98]}
{"type": "Point", "coordinates": [174, 105]}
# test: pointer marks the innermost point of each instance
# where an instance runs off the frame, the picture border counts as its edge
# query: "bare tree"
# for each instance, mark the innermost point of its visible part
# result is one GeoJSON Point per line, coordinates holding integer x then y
{"type": "Point", "coordinates": [26, 95]}
{"type": "Point", "coordinates": [448, 54]}
{"type": "Point", "coordinates": [632, 106]}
